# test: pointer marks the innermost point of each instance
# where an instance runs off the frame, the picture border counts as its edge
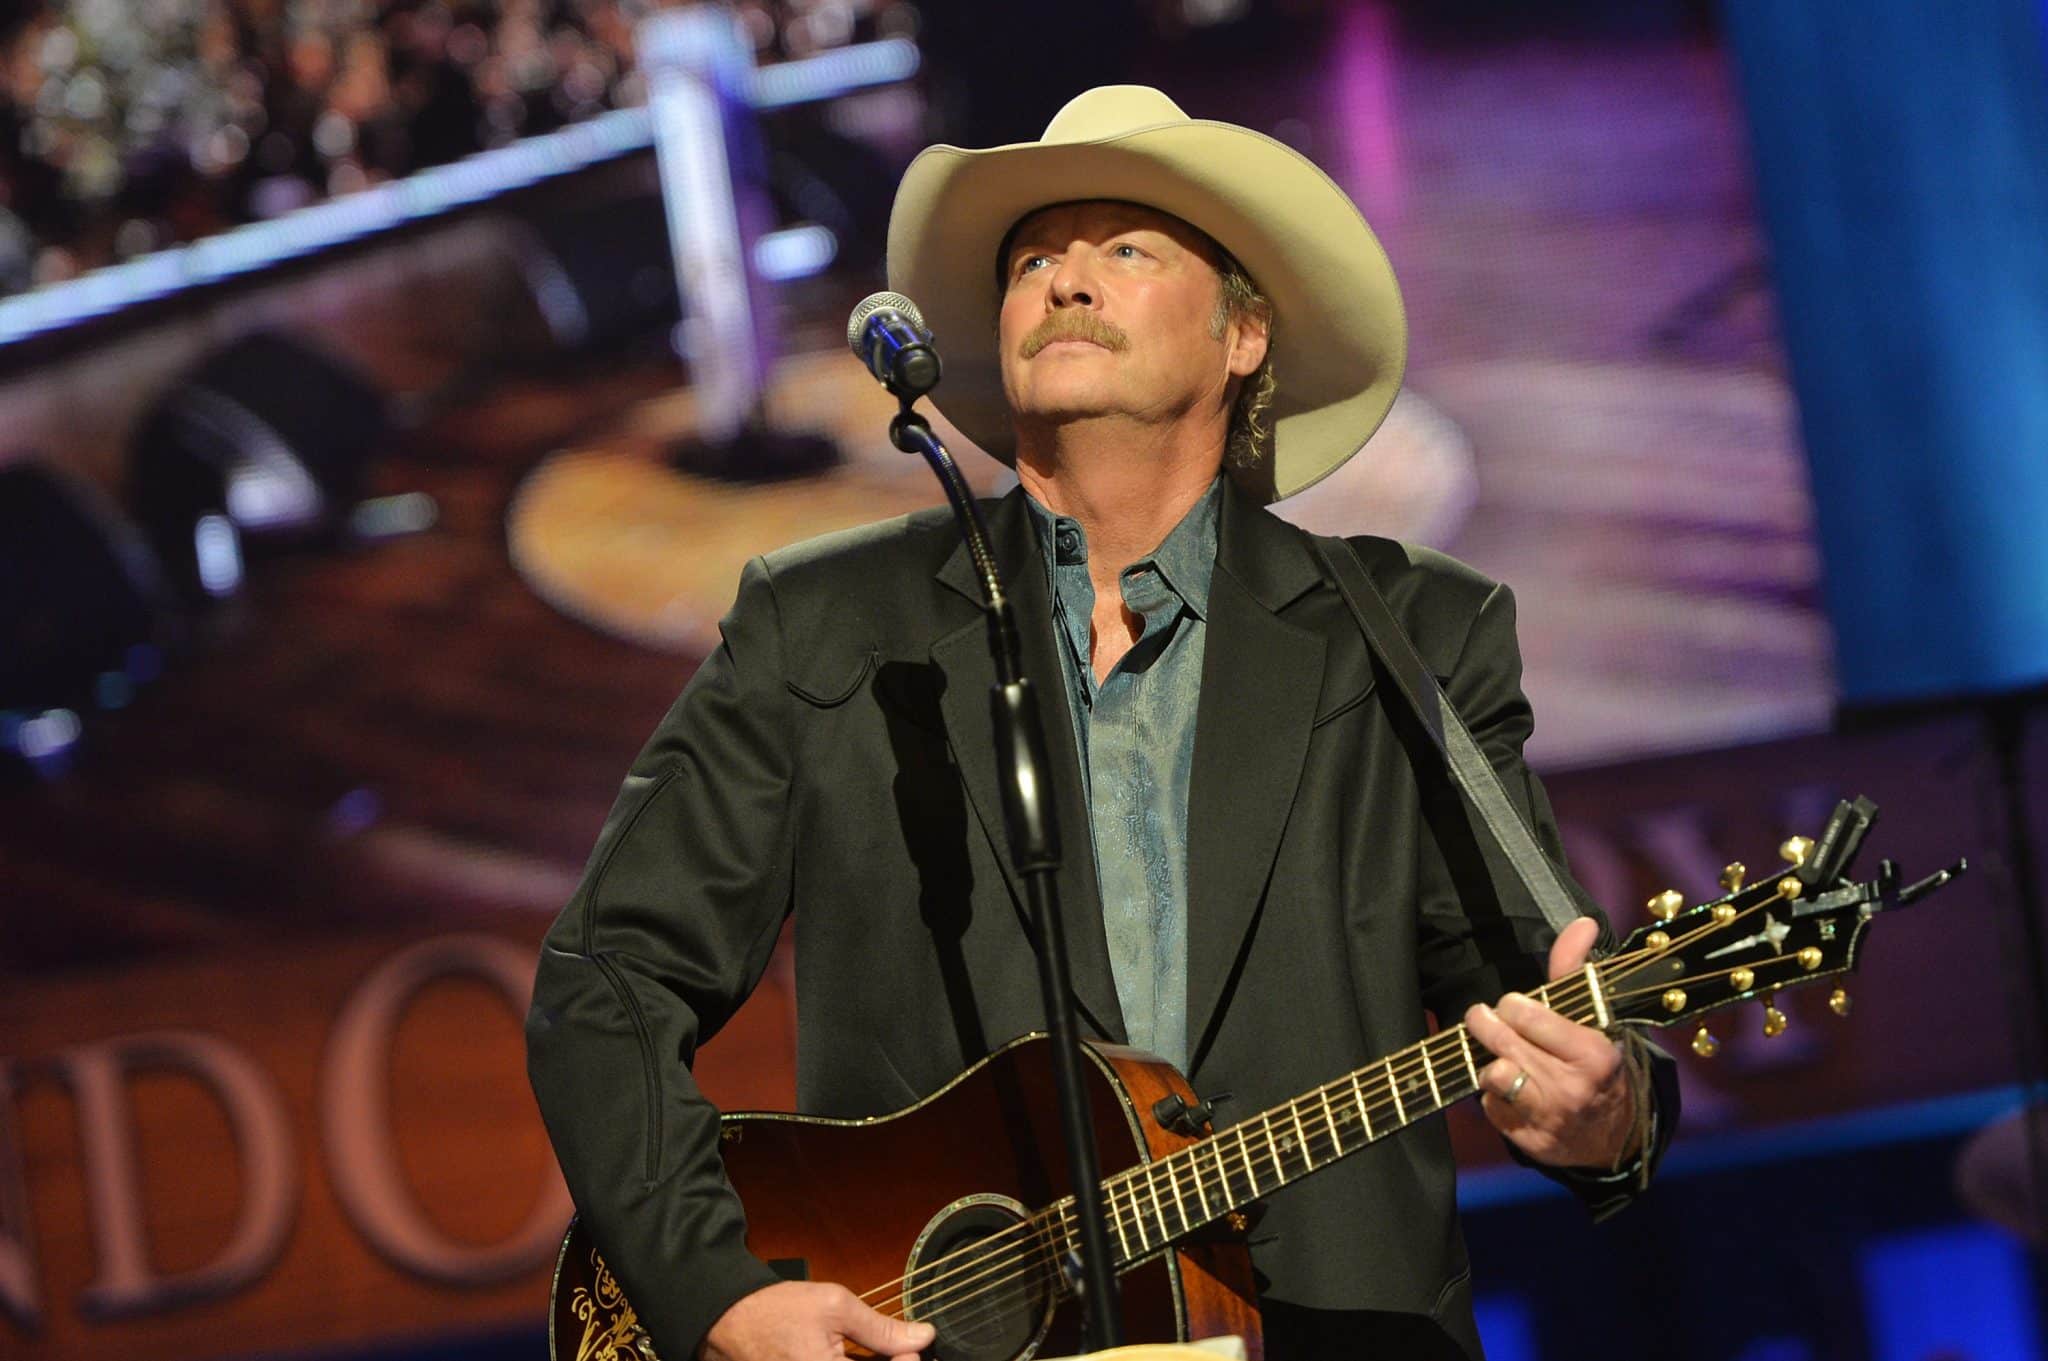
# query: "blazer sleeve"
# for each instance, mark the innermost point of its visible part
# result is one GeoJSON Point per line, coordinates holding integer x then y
{"type": "Point", "coordinates": [1470, 955]}
{"type": "Point", "coordinates": [669, 930]}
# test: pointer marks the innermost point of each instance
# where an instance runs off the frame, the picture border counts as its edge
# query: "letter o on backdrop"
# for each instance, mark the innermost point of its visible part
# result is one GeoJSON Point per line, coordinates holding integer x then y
{"type": "Point", "coordinates": [355, 1114]}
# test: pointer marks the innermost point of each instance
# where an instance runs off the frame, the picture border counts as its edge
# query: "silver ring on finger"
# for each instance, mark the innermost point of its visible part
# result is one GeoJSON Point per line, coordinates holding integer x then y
{"type": "Point", "coordinates": [1514, 1090]}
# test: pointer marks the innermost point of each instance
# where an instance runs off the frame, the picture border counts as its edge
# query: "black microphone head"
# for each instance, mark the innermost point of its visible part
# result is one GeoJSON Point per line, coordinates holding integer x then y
{"type": "Point", "coordinates": [878, 302]}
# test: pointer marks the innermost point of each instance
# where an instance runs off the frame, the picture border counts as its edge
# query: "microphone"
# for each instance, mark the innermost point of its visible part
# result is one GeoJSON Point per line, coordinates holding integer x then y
{"type": "Point", "coordinates": [887, 333]}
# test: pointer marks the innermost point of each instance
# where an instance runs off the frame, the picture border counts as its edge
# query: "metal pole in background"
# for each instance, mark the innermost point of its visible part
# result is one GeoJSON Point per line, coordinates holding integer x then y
{"type": "Point", "coordinates": [703, 94]}
{"type": "Point", "coordinates": [699, 65]}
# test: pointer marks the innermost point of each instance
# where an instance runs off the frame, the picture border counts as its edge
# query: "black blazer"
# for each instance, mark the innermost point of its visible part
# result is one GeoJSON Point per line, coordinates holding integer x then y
{"type": "Point", "coordinates": [833, 758]}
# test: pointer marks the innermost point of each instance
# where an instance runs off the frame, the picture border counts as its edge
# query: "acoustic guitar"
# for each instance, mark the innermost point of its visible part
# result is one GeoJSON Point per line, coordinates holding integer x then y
{"type": "Point", "coordinates": [957, 1211]}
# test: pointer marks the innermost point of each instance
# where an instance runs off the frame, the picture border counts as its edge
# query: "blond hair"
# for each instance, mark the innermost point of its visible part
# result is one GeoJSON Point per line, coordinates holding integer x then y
{"type": "Point", "coordinates": [1249, 442]}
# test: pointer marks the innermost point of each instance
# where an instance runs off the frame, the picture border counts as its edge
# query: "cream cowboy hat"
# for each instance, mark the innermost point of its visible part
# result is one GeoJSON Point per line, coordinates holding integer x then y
{"type": "Point", "coordinates": [1340, 338]}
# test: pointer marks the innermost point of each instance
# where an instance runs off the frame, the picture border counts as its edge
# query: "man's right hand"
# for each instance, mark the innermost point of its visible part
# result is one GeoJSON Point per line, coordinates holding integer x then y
{"type": "Point", "coordinates": [803, 1321]}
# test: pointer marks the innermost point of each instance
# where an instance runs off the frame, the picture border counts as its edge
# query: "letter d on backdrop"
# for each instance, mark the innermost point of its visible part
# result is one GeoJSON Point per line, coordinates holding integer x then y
{"type": "Point", "coordinates": [97, 1074]}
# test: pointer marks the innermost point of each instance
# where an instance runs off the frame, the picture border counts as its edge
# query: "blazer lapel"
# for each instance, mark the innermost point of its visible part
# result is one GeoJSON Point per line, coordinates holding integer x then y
{"type": "Point", "coordinates": [1261, 678]}
{"type": "Point", "coordinates": [963, 657]}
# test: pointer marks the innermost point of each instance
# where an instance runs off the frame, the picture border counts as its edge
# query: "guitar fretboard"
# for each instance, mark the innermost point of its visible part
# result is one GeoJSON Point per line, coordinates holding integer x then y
{"type": "Point", "coordinates": [1153, 1205]}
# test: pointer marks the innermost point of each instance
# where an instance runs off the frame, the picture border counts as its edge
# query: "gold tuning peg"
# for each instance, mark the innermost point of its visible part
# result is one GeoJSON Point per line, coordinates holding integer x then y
{"type": "Point", "coordinates": [1796, 848]}
{"type": "Point", "coordinates": [1732, 875]}
{"type": "Point", "coordinates": [1774, 1019]}
{"type": "Point", "coordinates": [1666, 904]}
{"type": "Point", "coordinates": [1704, 1044]}
{"type": "Point", "coordinates": [1838, 1001]}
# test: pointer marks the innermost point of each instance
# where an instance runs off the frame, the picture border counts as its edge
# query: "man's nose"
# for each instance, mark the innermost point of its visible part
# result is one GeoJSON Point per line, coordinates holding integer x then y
{"type": "Point", "coordinates": [1073, 283]}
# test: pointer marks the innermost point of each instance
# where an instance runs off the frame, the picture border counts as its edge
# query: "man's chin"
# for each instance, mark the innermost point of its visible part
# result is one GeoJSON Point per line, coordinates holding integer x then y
{"type": "Point", "coordinates": [1059, 402]}
{"type": "Point", "coordinates": [1067, 415]}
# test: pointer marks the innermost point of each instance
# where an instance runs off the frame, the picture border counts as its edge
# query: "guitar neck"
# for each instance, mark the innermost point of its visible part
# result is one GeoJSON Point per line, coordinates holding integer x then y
{"type": "Point", "coordinates": [1154, 1205]}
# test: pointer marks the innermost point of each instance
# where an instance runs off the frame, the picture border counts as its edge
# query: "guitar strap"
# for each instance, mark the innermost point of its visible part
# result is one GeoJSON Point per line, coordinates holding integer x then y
{"type": "Point", "coordinates": [1468, 765]}
{"type": "Point", "coordinates": [1482, 788]}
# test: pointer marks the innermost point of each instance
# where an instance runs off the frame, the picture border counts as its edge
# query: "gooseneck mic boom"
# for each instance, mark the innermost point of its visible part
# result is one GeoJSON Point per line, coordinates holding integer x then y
{"type": "Point", "coordinates": [889, 336]}
{"type": "Point", "coordinates": [887, 333]}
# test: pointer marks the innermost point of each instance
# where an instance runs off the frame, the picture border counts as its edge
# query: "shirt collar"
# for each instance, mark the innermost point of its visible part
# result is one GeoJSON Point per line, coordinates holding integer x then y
{"type": "Point", "coordinates": [1186, 558]}
{"type": "Point", "coordinates": [1049, 529]}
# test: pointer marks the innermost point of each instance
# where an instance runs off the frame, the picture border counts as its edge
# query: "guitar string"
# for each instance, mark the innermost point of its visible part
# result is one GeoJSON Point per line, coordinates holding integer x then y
{"type": "Point", "coordinates": [1799, 977]}
{"type": "Point", "coordinates": [1381, 1089]}
{"type": "Point", "coordinates": [1377, 1090]}
{"type": "Point", "coordinates": [1384, 1093]}
{"type": "Point", "coordinates": [978, 1253]}
{"type": "Point", "coordinates": [985, 1254]}
{"type": "Point", "coordinates": [988, 1300]}
{"type": "Point", "coordinates": [981, 1251]}
{"type": "Point", "coordinates": [1709, 927]}
{"type": "Point", "coordinates": [991, 1297]}
{"type": "Point", "coordinates": [1004, 1292]}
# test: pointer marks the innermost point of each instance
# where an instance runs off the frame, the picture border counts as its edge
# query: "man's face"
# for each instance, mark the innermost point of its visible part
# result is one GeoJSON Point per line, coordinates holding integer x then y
{"type": "Point", "coordinates": [1109, 310]}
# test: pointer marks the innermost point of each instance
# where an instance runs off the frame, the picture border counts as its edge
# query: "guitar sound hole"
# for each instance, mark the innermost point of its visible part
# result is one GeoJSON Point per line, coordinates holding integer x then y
{"type": "Point", "coordinates": [982, 1281]}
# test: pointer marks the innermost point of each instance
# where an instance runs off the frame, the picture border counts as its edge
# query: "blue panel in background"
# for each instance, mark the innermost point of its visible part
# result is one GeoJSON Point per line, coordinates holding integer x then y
{"type": "Point", "coordinates": [1949, 1293]}
{"type": "Point", "coordinates": [1901, 154]}
{"type": "Point", "coordinates": [1507, 1328]}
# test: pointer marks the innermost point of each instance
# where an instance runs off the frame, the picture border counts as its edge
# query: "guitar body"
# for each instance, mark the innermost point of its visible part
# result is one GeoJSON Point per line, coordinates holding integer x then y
{"type": "Point", "coordinates": [857, 1202]}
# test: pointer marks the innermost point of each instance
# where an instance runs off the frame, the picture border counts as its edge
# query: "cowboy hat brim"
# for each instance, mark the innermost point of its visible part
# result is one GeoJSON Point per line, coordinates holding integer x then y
{"type": "Point", "coordinates": [1340, 337]}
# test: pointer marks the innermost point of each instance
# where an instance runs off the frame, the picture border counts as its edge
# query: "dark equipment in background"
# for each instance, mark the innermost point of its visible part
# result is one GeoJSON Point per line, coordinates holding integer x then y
{"type": "Point", "coordinates": [263, 448]}
{"type": "Point", "coordinates": [80, 611]}
{"type": "Point", "coordinates": [601, 276]}
{"type": "Point", "coordinates": [603, 280]}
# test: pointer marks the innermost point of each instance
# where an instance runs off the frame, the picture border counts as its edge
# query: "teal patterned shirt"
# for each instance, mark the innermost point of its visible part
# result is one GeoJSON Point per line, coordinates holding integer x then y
{"type": "Point", "coordinates": [1135, 732]}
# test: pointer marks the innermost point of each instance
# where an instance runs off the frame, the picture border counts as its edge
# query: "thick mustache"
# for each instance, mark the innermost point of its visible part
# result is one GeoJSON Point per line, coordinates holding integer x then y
{"type": "Point", "coordinates": [1074, 324]}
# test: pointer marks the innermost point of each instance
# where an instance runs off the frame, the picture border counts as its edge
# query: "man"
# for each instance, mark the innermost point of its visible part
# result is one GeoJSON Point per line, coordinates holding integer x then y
{"type": "Point", "coordinates": [1269, 877]}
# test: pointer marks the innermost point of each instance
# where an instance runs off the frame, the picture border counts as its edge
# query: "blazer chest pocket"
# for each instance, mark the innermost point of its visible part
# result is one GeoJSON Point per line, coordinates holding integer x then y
{"type": "Point", "coordinates": [1347, 699]}
{"type": "Point", "coordinates": [825, 685]}
{"type": "Point", "coordinates": [1342, 704]}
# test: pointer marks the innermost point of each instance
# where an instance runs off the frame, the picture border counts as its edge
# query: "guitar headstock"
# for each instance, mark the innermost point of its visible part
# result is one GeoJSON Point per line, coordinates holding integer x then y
{"type": "Point", "coordinates": [1787, 931]}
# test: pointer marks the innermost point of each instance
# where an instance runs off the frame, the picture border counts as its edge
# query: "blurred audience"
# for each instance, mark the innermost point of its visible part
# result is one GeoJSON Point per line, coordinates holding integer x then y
{"type": "Point", "coordinates": [129, 125]}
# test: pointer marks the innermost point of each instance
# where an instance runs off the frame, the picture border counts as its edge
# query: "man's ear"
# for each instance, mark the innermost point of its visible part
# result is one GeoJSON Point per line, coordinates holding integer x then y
{"type": "Point", "coordinates": [1250, 334]}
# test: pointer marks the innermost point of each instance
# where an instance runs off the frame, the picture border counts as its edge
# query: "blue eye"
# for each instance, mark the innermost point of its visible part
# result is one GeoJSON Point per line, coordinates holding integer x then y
{"type": "Point", "coordinates": [1127, 250]}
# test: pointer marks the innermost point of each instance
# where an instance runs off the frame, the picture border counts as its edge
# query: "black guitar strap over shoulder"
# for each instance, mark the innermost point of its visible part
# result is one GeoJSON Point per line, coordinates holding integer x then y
{"type": "Point", "coordinates": [1468, 765]}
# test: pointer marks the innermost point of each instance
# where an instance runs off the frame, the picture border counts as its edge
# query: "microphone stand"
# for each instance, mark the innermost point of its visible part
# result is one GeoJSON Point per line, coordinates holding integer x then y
{"type": "Point", "coordinates": [1028, 814]}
